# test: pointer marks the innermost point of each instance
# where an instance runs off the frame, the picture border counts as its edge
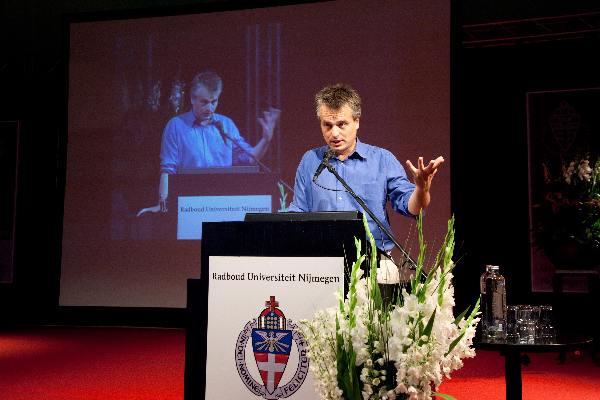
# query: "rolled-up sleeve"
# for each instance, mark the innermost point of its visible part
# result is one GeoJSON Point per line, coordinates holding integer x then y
{"type": "Point", "coordinates": [302, 190]}
{"type": "Point", "coordinates": [169, 149]}
{"type": "Point", "coordinates": [399, 188]}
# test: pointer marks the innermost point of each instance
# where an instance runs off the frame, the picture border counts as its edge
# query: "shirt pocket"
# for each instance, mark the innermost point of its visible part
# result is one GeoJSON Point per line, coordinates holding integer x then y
{"type": "Point", "coordinates": [374, 195]}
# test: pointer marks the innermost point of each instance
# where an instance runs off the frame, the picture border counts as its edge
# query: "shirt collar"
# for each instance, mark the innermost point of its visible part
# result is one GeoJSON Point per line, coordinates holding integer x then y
{"type": "Point", "coordinates": [189, 118]}
{"type": "Point", "coordinates": [192, 121]}
{"type": "Point", "coordinates": [360, 151]}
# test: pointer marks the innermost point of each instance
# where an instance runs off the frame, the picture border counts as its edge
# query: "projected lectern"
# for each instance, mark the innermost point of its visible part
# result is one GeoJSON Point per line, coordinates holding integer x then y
{"type": "Point", "coordinates": [319, 238]}
{"type": "Point", "coordinates": [229, 189]}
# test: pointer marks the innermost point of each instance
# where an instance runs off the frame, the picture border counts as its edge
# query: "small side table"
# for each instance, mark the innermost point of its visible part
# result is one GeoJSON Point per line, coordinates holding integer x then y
{"type": "Point", "coordinates": [513, 353]}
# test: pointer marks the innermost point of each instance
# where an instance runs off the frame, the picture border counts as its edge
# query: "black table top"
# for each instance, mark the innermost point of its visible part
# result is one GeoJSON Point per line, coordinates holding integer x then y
{"type": "Point", "coordinates": [561, 343]}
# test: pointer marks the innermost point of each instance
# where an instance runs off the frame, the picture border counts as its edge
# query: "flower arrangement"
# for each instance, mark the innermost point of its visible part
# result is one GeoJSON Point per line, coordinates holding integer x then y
{"type": "Point", "coordinates": [569, 213]}
{"type": "Point", "coordinates": [369, 348]}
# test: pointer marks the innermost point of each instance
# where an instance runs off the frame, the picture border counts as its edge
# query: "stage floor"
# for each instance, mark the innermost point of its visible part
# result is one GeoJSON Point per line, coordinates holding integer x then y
{"type": "Point", "coordinates": [89, 363]}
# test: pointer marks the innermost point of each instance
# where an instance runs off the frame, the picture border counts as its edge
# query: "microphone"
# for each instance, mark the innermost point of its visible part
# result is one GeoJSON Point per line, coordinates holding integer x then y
{"type": "Point", "coordinates": [219, 125]}
{"type": "Point", "coordinates": [330, 153]}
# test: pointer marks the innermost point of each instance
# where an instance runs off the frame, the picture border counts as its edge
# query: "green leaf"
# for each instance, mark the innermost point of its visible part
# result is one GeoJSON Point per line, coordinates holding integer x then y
{"type": "Point", "coordinates": [348, 379]}
{"type": "Point", "coordinates": [428, 328]}
{"type": "Point", "coordinates": [358, 244]}
{"type": "Point", "coordinates": [421, 326]}
{"type": "Point", "coordinates": [443, 396]}
{"type": "Point", "coordinates": [282, 197]}
{"type": "Point", "coordinates": [474, 311]}
{"type": "Point", "coordinates": [417, 277]}
{"type": "Point", "coordinates": [464, 328]}
{"type": "Point", "coordinates": [352, 297]}
{"type": "Point", "coordinates": [441, 289]}
{"type": "Point", "coordinates": [373, 247]}
{"type": "Point", "coordinates": [461, 316]}
{"type": "Point", "coordinates": [455, 342]}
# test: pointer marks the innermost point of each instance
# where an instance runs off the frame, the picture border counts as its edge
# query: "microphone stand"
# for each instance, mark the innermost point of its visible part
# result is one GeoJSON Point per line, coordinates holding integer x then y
{"type": "Point", "coordinates": [256, 160]}
{"type": "Point", "coordinates": [408, 258]}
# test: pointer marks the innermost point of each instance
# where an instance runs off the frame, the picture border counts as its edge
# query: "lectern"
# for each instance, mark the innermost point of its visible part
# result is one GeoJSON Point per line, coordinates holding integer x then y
{"type": "Point", "coordinates": [330, 234]}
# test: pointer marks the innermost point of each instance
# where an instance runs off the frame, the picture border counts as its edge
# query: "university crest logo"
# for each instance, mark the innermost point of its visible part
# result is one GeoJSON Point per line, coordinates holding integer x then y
{"type": "Point", "coordinates": [273, 338]}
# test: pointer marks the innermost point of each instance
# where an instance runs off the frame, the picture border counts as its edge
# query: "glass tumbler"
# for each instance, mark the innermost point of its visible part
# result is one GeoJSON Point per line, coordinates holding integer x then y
{"type": "Point", "coordinates": [512, 334]}
{"type": "Point", "coordinates": [546, 331]}
{"type": "Point", "coordinates": [526, 323]}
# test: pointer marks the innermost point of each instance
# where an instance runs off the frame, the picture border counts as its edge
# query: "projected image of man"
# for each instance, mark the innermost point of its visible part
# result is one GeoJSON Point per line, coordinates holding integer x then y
{"type": "Point", "coordinates": [202, 138]}
{"type": "Point", "coordinates": [372, 172]}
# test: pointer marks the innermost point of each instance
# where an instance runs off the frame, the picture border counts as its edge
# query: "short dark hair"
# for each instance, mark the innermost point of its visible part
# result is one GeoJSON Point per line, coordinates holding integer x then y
{"type": "Point", "coordinates": [207, 78]}
{"type": "Point", "coordinates": [337, 96]}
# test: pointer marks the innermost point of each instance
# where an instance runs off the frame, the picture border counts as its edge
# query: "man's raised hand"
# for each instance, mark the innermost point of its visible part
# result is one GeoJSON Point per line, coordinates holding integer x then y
{"type": "Point", "coordinates": [268, 121]}
{"type": "Point", "coordinates": [423, 174]}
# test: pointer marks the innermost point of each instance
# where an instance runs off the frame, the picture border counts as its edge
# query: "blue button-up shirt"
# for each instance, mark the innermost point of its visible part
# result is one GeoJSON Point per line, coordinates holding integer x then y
{"type": "Point", "coordinates": [187, 144]}
{"type": "Point", "coordinates": [373, 173]}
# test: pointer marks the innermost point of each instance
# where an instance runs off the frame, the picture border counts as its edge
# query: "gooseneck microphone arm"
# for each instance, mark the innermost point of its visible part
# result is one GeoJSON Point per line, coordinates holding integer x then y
{"type": "Point", "coordinates": [324, 162]}
{"type": "Point", "coordinates": [225, 135]}
{"type": "Point", "coordinates": [330, 168]}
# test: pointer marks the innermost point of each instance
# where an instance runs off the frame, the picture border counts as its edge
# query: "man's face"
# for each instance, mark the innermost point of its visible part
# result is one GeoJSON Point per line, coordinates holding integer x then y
{"type": "Point", "coordinates": [204, 103]}
{"type": "Point", "coordinates": [339, 129]}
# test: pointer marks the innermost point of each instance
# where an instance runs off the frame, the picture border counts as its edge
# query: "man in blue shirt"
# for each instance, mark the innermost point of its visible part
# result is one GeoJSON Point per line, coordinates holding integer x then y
{"type": "Point", "coordinates": [373, 173]}
{"type": "Point", "coordinates": [201, 138]}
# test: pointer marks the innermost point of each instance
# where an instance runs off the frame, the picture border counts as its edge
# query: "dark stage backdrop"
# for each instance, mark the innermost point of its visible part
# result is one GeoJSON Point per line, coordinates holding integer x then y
{"type": "Point", "coordinates": [125, 77]}
{"type": "Point", "coordinates": [9, 148]}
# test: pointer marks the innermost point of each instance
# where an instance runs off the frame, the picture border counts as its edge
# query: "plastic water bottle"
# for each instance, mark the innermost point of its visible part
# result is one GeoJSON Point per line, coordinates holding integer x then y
{"type": "Point", "coordinates": [493, 304]}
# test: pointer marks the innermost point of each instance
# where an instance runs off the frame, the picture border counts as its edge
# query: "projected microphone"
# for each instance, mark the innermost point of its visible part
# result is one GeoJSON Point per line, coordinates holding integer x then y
{"type": "Point", "coordinates": [330, 153]}
{"type": "Point", "coordinates": [220, 128]}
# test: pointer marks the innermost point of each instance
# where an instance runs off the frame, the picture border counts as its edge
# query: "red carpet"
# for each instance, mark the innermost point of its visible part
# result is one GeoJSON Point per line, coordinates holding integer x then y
{"type": "Point", "coordinates": [482, 377]}
{"type": "Point", "coordinates": [60, 363]}
{"type": "Point", "coordinates": [92, 363]}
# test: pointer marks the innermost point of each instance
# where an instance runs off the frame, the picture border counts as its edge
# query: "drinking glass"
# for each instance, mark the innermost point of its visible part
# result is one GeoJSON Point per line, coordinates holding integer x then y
{"type": "Point", "coordinates": [512, 334]}
{"type": "Point", "coordinates": [526, 323]}
{"type": "Point", "coordinates": [546, 331]}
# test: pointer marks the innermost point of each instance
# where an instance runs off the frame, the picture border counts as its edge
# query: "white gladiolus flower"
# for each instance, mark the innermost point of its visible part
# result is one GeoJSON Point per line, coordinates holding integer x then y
{"type": "Point", "coordinates": [568, 172]}
{"type": "Point", "coordinates": [584, 172]}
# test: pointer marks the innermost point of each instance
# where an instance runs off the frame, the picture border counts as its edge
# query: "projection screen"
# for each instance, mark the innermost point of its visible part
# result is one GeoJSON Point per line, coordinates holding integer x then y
{"type": "Point", "coordinates": [129, 77]}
